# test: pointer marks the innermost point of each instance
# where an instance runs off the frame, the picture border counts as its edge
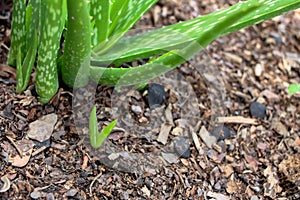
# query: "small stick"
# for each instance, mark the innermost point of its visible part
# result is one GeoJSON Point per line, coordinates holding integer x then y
{"type": "Point", "coordinates": [39, 151]}
{"type": "Point", "coordinates": [20, 152]}
{"type": "Point", "coordinates": [98, 176]}
{"type": "Point", "coordinates": [236, 120]}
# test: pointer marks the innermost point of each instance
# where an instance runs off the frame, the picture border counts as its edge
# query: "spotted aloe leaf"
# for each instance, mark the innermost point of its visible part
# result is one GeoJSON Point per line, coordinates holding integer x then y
{"type": "Point", "coordinates": [100, 13]}
{"type": "Point", "coordinates": [24, 67]}
{"type": "Point", "coordinates": [124, 14]}
{"type": "Point", "coordinates": [18, 34]}
{"type": "Point", "coordinates": [179, 35]}
{"type": "Point", "coordinates": [51, 31]}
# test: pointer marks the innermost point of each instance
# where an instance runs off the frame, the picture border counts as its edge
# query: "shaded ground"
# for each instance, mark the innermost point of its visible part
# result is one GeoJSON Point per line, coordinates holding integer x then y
{"type": "Point", "coordinates": [258, 160]}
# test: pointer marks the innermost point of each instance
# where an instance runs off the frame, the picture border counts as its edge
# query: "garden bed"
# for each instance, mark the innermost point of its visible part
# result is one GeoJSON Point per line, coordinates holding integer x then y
{"type": "Point", "coordinates": [258, 158]}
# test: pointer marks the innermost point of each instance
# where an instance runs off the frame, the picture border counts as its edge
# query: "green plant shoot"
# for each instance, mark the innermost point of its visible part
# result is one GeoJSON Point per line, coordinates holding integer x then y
{"type": "Point", "coordinates": [96, 138]}
{"type": "Point", "coordinates": [293, 88]}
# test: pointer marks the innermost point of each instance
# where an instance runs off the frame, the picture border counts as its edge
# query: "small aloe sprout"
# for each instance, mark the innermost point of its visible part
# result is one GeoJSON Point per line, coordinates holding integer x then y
{"type": "Point", "coordinates": [96, 138]}
{"type": "Point", "coordinates": [293, 88]}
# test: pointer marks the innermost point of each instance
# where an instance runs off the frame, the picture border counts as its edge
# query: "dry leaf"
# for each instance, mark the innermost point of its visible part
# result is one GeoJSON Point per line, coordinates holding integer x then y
{"type": "Point", "coordinates": [26, 148]}
{"type": "Point", "coordinates": [231, 187]}
{"type": "Point", "coordinates": [5, 184]}
{"type": "Point", "coordinates": [146, 191]}
{"type": "Point", "coordinates": [279, 128]}
{"type": "Point", "coordinates": [271, 187]}
{"type": "Point", "coordinates": [227, 170]}
{"type": "Point", "coordinates": [252, 163]}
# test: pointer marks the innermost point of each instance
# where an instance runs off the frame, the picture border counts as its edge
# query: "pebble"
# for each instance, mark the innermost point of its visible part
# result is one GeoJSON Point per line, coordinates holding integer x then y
{"type": "Point", "coordinates": [258, 110]}
{"type": "Point", "coordinates": [254, 197]}
{"type": "Point", "coordinates": [156, 95]}
{"type": "Point", "coordinates": [71, 192]}
{"type": "Point", "coordinates": [136, 109]}
{"type": "Point", "coordinates": [217, 186]}
{"type": "Point", "coordinates": [177, 131]}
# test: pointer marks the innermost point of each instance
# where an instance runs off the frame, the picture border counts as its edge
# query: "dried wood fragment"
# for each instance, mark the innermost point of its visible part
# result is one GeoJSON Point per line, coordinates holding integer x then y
{"type": "Point", "coordinates": [197, 143]}
{"type": "Point", "coordinates": [164, 133]}
{"type": "Point", "coordinates": [236, 120]}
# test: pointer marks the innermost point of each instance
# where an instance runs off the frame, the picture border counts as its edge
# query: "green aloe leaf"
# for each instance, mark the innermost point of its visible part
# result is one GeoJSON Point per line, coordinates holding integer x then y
{"type": "Point", "coordinates": [179, 35]}
{"type": "Point", "coordinates": [100, 12]}
{"type": "Point", "coordinates": [32, 19]}
{"type": "Point", "coordinates": [170, 60]}
{"type": "Point", "coordinates": [51, 31]}
{"type": "Point", "coordinates": [124, 14]}
{"type": "Point", "coordinates": [93, 126]}
{"type": "Point", "coordinates": [18, 34]}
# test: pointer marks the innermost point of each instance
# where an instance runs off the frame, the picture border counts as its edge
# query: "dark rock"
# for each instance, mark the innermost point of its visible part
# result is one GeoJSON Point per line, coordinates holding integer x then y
{"type": "Point", "coordinates": [222, 132]}
{"type": "Point", "coordinates": [46, 143]}
{"type": "Point", "coordinates": [156, 95]}
{"type": "Point", "coordinates": [182, 147]}
{"type": "Point", "coordinates": [258, 110]}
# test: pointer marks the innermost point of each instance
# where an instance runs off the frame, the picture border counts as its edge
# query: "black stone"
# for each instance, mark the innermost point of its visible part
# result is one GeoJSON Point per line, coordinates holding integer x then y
{"type": "Point", "coordinates": [46, 143]}
{"type": "Point", "coordinates": [182, 147]}
{"type": "Point", "coordinates": [258, 110]}
{"type": "Point", "coordinates": [156, 95]}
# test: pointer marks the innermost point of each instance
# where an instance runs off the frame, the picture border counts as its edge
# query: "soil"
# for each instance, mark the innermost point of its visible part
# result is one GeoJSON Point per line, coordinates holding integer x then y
{"type": "Point", "coordinates": [254, 156]}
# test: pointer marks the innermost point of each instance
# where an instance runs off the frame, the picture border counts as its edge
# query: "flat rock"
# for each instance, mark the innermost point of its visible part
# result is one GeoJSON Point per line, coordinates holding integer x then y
{"type": "Point", "coordinates": [42, 129]}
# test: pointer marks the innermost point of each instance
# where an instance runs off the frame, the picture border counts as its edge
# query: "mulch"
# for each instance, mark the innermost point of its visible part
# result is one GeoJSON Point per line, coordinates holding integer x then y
{"type": "Point", "coordinates": [254, 155]}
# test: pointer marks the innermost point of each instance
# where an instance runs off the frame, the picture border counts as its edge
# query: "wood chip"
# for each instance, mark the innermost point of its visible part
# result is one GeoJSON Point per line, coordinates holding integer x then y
{"type": "Point", "coordinates": [146, 191]}
{"type": "Point", "coordinates": [197, 143]}
{"type": "Point", "coordinates": [236, 120]}
{"type": "Point", "coordinates": [164, 133]}
{"type": "Point", "coordinates": [207, 138]}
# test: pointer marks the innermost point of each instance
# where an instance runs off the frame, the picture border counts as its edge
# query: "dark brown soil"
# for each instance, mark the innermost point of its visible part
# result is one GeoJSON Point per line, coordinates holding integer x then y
{"type": "Point", "coordinates": [258, 160]}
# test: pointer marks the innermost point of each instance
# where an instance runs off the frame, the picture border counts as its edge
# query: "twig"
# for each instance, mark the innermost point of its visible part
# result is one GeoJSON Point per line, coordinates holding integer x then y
{"type": "Point", "coordinates": [3, 45]}
{"type": "Point", "coordinates": [98, 176]}
{"type": "Point", "coordinates": [20, 152]}
{"type": "Point", "coordinates": [38, 151]}
{"type": "Point", "coordinates": [236, 120]}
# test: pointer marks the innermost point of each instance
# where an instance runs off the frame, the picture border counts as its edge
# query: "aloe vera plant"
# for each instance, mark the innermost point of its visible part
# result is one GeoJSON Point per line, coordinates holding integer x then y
{"type": "Point", "coordinates": [94, 38]}
{"type": "Point", "coordinates": [94, 33]}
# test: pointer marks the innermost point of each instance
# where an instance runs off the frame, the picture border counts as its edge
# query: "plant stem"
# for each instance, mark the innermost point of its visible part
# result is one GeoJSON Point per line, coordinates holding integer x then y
{"type": "Point", "coordinates": [76, 58]}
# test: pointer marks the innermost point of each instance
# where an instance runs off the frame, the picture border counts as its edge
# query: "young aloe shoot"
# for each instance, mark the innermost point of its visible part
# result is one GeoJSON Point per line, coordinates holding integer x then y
{"type": "Point", "coordinates": [293, 88]}
{"type": "Point", "coordinates": [96, 138]}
